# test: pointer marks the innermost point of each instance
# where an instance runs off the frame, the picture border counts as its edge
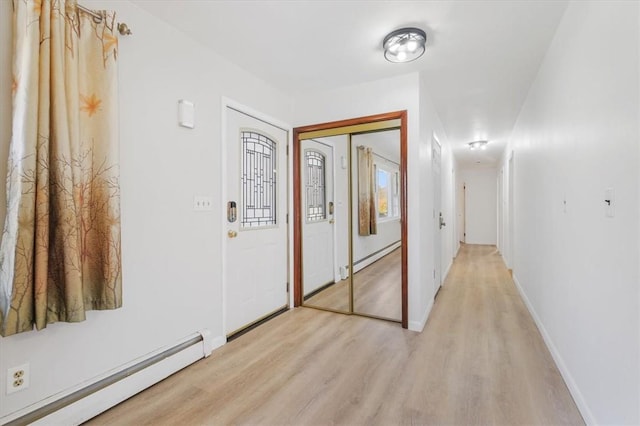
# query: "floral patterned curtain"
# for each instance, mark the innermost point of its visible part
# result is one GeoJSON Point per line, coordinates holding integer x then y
{"type": "Point", "coordinates": [60, 249]}
{"type": "Point", "coordinates": [367, 219]}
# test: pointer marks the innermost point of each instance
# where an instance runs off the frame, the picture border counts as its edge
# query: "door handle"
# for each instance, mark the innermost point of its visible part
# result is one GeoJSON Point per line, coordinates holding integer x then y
{"type": "Point", "coordinates": [232, 211]}
{"type": "Point", "coordinates": [232, 234]}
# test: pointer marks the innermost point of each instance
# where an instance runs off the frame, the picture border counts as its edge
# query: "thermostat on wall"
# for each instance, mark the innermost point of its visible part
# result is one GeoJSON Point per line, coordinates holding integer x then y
{"type": "Point", "coordinates": [186, 114]}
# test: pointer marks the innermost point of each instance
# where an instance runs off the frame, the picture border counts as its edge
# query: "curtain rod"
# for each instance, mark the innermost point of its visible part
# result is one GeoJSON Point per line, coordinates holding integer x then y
{"type": "Point", "coordinates": [378, 155]}
{"type": "Point", "coordinates": [385, 158]}
{"type": "Point", "coordinates": [123, 29]}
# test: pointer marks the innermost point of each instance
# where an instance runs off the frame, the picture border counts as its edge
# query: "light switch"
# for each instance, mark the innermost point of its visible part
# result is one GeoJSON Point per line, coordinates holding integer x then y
{"type": "Point", "coordinates": [186, 114]}
{"type": "Point", "coordinates": [609, 202]}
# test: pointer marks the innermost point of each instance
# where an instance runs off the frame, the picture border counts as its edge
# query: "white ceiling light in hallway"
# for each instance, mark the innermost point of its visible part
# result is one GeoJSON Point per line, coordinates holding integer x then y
{"type": "Point", "coordinates": [404, 45]}
{"type": "Point", "coordinates": [478, 145]}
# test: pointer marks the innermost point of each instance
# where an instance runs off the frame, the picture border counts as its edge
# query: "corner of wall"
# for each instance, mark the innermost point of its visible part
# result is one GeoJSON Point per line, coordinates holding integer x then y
{"type": "Point", "coordinates": [419, 325]}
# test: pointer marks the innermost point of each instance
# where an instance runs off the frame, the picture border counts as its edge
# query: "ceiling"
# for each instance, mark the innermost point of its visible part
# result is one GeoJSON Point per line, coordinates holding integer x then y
{"type": "Point", "coordinates": [481, 57]}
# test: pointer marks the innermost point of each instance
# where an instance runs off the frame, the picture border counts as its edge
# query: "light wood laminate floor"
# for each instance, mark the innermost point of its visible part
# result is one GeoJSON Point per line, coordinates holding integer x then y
{"type": "Point", "coordinates": [377, 290]}
{"type": "Point", "coordinates": [480, 360]}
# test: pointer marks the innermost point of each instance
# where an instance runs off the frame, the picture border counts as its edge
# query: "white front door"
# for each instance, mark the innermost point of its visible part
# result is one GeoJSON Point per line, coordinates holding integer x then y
{"type": "Point", "coordinates": [256, 239]}
{"type": "Point", "coordinates": [436, 151]}
{"type": "Point", "coordinates": [318, 221]}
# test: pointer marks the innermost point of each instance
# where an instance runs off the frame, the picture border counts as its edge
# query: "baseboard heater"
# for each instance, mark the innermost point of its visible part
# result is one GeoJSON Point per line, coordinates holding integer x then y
{"type": "Point", "coordinates": [375, 256]}
{"type": "Point", "coordinates": [79, 405]}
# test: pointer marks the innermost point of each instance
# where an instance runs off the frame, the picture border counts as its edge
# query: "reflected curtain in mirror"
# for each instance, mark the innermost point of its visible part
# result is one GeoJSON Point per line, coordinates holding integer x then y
{"type": "Point", "coordinates": [60, 250]}
{"type": "Point", "coordinates": [367, 221]}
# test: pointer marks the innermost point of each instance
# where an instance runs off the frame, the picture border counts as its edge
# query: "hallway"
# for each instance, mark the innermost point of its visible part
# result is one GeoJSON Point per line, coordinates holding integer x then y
{"type": "Point", "coordinates": [480, 360]}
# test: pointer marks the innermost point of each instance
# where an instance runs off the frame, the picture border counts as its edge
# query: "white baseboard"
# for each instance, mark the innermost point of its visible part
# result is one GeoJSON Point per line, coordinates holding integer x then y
{"type": "Point", "coordinates": [446, 272]}
{"type": "Point", "coordinates": [218, 342]}
{"type": "Point", "coordinates": [504, 260]}
{"type": "Point", "coordinates": [584, 409]}
{"type": "Point", "coordinates": [419, 325]}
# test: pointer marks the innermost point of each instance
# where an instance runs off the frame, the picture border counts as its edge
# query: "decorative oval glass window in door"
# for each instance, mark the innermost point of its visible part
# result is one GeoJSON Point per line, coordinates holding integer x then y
{"type": "Point", "coordinates": [258, 180]}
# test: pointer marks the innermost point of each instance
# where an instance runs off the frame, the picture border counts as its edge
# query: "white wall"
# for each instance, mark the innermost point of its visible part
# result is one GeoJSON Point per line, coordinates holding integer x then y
{"type": "Point", "coordinates": [578, 134]}
{"type": "Point", "coordinates": [171, 254]}
{"type": "Point", "coordinates": [480, 205]}
{"type": "Point", "coordinates": [428, 219]}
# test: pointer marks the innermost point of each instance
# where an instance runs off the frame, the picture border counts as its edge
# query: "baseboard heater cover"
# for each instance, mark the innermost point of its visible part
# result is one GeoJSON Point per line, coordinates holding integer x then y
{"type": "Point", "coordinates": [358, 265]}
{"type": "Point", "coordinates": [89, 401]}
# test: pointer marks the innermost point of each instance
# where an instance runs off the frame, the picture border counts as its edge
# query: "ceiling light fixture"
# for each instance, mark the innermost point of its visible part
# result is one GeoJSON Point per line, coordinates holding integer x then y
{"type": "Point", "coordinates": [478, 145]}
{"type": "Point", "coordinates": [404, 45]}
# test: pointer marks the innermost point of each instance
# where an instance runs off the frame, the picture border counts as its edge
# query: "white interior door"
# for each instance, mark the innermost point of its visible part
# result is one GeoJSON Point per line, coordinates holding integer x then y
{"type": "Point", "coordinates": [510, 218]}
{"type": "Point", "coordinates": [438, 220]}
{"type": "Point", "coordinates": [500, 210]}
{"type": "Point", "coordinates": [256, 247]}
{"type": "Point", "coordinates": [318, 221]}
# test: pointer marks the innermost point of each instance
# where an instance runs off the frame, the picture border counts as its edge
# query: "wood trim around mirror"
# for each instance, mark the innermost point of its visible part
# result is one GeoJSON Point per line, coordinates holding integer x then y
{"type": "Point", "coordinates": [297, 210]}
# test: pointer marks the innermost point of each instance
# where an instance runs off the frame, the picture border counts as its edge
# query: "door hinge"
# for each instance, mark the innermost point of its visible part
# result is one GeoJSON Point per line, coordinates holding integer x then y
{"type": "Point", "coordinates": [287, 287]}
{"type": "Point", "coordinates": [287, 149]}
{"type": "Point", "coordinates": [287, 218]}
{"type": "Point", "coordinates": [434, 273]}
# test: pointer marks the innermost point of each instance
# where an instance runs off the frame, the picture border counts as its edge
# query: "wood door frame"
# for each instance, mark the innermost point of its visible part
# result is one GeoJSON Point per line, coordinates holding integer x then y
{"type": "Point", "coordinates": [297, 208]}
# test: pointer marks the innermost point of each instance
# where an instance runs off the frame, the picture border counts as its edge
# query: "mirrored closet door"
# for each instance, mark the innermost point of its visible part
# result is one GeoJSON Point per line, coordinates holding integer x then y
{"type": "Point", "coordinates": [350, 217]}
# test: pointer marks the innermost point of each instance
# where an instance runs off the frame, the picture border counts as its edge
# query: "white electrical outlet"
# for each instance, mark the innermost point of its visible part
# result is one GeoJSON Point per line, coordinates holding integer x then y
{"type": "Point", "coordinates": [17, 378]}
{"type": "Point", "coordinates": [202, 203]}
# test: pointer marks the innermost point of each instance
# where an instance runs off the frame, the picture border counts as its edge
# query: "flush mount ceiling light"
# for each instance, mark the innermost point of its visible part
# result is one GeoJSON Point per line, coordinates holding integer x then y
{"type": "Point", "coordinates": [478, 145]}
{"type": "Point", "coordinates": [404, 45]}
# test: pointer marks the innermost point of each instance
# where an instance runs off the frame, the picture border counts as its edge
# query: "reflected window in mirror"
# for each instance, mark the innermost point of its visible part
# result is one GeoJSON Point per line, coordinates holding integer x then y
{"type": "Point", "coordinates": [396, 194]}
{"type": "Point", "coordinates": [387, 194]}
{"type": "Point", "coordinates": [382, 186]}
{"type": "Point", "coordinates": [315, 186]}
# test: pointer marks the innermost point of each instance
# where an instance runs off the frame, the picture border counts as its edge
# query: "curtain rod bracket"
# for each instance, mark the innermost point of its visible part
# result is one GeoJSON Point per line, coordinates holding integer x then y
{"type": "Point", "coordinates": [124, 29]}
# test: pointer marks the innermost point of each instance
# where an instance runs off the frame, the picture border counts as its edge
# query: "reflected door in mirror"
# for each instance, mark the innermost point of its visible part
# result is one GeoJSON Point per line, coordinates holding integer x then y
{"type": "Point", "coordinates": [325, 280]}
